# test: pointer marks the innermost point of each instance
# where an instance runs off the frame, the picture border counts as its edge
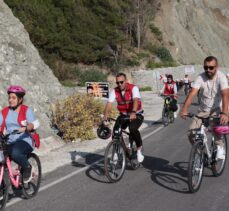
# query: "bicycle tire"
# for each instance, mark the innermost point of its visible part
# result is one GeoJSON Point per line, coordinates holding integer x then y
{"type": "Point", "coordinates": [196, 167]}
{"type": "Point", "coordinates": [171, 117]}
{"type": "Point", "coordinates": [4, 190]}
{"type": "Point", "coordinates": [114, 157]}
{"type": "Point", "coordinates": [219, 165]}
{"type": "Point", "coordinates": [31, 188]}
{"type": "Point", "coordinates": [165, 117]}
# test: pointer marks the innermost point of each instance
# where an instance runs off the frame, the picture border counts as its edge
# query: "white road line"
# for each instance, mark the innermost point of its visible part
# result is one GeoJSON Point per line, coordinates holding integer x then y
{"type": "Point", "coordinates": [14, 201]}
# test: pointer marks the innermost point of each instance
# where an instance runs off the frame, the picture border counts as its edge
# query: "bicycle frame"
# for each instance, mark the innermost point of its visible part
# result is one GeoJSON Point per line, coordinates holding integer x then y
{"type": "Point", "coordinates": [14, 176]}
{"type": "Point", "coordinates": [205, 140]}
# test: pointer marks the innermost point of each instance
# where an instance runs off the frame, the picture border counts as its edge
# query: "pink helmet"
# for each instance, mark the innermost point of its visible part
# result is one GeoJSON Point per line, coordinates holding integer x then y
{"type": "Point", "coordinates": [17, 90]}
{"type": "Point", "coordinates": [221, 129]}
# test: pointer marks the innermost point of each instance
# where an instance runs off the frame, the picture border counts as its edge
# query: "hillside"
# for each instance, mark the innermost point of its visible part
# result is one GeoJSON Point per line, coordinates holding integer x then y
{"type": "Point", "coordinates": [196, 29]}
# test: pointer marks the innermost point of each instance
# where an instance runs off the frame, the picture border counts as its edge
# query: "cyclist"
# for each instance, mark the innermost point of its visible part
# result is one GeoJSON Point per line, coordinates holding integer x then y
{"type": "Point", "coordinates": [129, 104]}
{"type": "Point", "coordinates": [187, 83]}
{"type": "Point", "coordinates": [213, 89]}
{"type": "Point", "coordinates": [19, 117]}
{"type": "Point", "coordinates": [170, 88]}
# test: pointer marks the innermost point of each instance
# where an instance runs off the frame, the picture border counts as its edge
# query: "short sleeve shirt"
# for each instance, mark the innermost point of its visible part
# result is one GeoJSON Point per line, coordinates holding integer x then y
{"type": "Point", "coordinates": [210, 90]}
{"type": "Point", "coordinates": [12, 124]}
{"type": "Point", "coordinates": [135, 92]}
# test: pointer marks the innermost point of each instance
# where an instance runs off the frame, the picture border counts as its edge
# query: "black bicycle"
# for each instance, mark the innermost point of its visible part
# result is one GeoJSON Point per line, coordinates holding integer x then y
{"type": "Point", "coordinates": [167, 112]}
{"type": "Point", "coordinates": [117, 153]}
{"type": "Point", "coordinates": [204, 154]}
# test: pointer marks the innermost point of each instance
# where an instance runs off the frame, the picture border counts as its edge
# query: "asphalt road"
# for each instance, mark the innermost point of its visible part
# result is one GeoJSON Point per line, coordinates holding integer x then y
{"type": "Point", "coordinates": [159, 185]}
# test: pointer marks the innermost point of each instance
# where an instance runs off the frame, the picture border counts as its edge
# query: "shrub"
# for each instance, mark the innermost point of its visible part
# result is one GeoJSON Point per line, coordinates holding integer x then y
{"type": "Point", "coordinates": [90, 75]}
{"type": "Point", "coordinates": [152, 65]}
{"type": "Point", "coordinates": [155, 30]}
{"type": "Point", "coordinates": [145, 88]}
{"type": "Point", "coordinates": [162, 53]}
{"type": "Point", "coordinates": [77, 116]}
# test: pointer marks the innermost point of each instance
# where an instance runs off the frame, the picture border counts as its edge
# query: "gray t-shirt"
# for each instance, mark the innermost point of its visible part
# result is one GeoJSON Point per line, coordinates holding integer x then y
{"type": "Point", "coordinates": [210, 90]}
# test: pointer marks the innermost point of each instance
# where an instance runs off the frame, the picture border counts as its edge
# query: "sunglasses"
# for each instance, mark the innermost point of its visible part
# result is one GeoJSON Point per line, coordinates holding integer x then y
{"type": "Point", "coordinates": [119, 82]}
{"type": "Point", "coordinates": [209, 67]}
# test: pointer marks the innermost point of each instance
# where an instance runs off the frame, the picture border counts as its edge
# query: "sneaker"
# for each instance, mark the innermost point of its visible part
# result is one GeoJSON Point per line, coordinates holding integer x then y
{"type": "Point", "coordinates": [175, 115]}
{"type": "Point", "coordinates": [220, 153]}
{"type": "Point", "coordinates": [27, 174]}
{"type": "Point", "coordinates": [140, 156]}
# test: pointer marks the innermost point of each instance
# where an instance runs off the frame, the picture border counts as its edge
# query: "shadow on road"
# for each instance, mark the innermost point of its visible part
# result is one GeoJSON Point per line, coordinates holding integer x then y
{"type": "Point", "coordinates": [172, 177]}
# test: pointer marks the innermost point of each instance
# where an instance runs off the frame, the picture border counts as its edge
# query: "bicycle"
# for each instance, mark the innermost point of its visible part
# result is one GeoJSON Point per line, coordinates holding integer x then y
{"type": "Point", "coordinates": [203, 154]}
{"type": "Point", "coordinates": [9, 174]}
{"type": "Point", "coordinates": [187, 88]}
{"type": "Point", "coordinates": [167, 112]}
{"type": "Point", "coordinates": [116, 153]}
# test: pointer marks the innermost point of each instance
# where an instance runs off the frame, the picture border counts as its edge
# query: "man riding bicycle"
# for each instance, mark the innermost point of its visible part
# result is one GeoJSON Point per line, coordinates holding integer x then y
{"type": "Point", "coordinates": [129, 104]}
{"type": "Point", "coordinates": [170, 88]}
{"type": "Point", "coordinates": [213, 89]}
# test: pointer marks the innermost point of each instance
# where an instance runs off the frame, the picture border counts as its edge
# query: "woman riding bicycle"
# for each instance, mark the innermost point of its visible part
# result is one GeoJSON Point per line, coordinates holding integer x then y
{"type": "Point", "coordinates": [19, 117]}
{"type": "Point", "coordinates": [170, 88]}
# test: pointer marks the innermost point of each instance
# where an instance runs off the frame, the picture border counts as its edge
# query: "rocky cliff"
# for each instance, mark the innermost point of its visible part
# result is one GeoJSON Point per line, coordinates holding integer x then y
{"type": "Point", "coordinates": [194, 29]}
{"type": "Point", "coordinates": [20, 64]}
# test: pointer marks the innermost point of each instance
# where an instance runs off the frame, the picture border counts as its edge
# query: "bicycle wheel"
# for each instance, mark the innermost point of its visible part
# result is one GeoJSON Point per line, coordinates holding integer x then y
{"type": "Point", "coordinates": [219, 165]}
{"type": "Point", "coordinates": [165, 117]}
{"type": "Point", "coordinates": [171, 116]}
{"type": "Point", "coordinates": [114, 161]}
{"type": "Point", "coordinates": [31, 188]}
{"type": "Point", "coordinates": [4, 190]}
{"type": "Point", "coordinates": [196, 166]}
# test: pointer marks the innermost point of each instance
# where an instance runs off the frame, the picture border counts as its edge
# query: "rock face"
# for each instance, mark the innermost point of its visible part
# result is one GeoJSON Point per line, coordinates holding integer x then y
{"type": "Point", "coordinates": [197, 28]}
{"type": "Point", "coordinates": [20, 64]}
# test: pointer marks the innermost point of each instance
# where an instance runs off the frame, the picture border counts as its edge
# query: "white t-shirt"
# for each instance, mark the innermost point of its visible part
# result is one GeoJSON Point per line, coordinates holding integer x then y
{"type": "Point", "coordinates": [210, 90]}
{"type": "Point", "coordinates": [135, 94]}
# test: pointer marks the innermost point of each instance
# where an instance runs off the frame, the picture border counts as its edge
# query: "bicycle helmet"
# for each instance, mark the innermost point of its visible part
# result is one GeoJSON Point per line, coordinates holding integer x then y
{"type": "Point", "coordinates": [221, 129]}
{"type": "Point", "coordinates": [103, 131]}
{"type": "Point", "coordinates": [18, 90]}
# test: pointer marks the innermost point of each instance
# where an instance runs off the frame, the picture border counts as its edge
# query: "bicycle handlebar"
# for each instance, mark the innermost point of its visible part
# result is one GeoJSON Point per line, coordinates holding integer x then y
{"type": "Point", "coordinates": [191, 115]}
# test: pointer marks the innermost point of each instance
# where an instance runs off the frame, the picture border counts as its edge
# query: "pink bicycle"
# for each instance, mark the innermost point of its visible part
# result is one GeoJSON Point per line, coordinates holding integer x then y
{"type": "Point", "coordinates": [8, 174]}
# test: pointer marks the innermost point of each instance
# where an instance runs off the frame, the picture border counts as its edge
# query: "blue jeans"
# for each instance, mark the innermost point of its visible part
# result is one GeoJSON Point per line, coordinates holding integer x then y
{"type": "Point", "coordinates": [19, 152]}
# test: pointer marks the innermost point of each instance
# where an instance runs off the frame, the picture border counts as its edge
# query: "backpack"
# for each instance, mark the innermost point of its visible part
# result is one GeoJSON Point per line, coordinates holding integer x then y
{"type": "Point", "coordinates": [22, 122]}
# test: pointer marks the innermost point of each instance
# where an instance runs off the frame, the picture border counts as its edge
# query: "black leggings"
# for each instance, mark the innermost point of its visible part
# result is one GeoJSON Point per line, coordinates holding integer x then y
{"type": "Point", "coordinates": [133, 128]}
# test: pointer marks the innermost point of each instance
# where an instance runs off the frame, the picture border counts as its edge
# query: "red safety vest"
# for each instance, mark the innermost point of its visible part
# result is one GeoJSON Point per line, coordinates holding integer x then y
{"type": "Point", "coordinates": [21, 121]}
{"type": "Point", "coordinates": [169, 88]}
{"type": "Point", "coordinates": [125, 103]}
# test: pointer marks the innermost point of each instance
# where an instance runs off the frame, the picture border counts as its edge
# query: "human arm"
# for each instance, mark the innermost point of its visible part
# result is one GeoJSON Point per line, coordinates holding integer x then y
{"type": "Point", "coordinates": [136, 97]}
{"type": "Point", "coordinates": [224, 113]}
{"type": "Point", "coordinates": [187, 103]}
{"type": "Point", "coordinates": [32, 123]}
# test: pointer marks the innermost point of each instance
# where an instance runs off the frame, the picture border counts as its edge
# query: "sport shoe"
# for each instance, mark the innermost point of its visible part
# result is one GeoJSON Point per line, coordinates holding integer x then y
{"type": "Point", "coordinates": [27, 174]}
{"type": "Point", "coordinates": [175, 115]}
{"type": "Point", "coordinates": [140, 156]}
{"type": "Point", "coordinates": [220, 153]}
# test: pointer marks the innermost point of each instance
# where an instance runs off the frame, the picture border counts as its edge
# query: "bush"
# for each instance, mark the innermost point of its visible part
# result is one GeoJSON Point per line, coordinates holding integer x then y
{"type": "Point", "coordinates": [155, 30]}
{"type": "Point", "coordinates": [77, 116]}
{"type": "Point", "coordinates": [162, 53]}
{"type": "Point", "coordinates": [152, 65]}
{"type": "Point", "coordinates": [145, 88]}
{"type": "Point", "coordinates": [91, 75]}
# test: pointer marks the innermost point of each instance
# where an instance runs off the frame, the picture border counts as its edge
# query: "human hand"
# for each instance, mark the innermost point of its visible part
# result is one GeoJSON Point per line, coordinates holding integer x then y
{"type": "Point", "coordinates": [183, 114]}
{"type": "Point", "coordinates": [22, 129]}
{"type": "Point", "coordinates": [133, 116]}
{"type": "Point", "coordinates": [224, 119]}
